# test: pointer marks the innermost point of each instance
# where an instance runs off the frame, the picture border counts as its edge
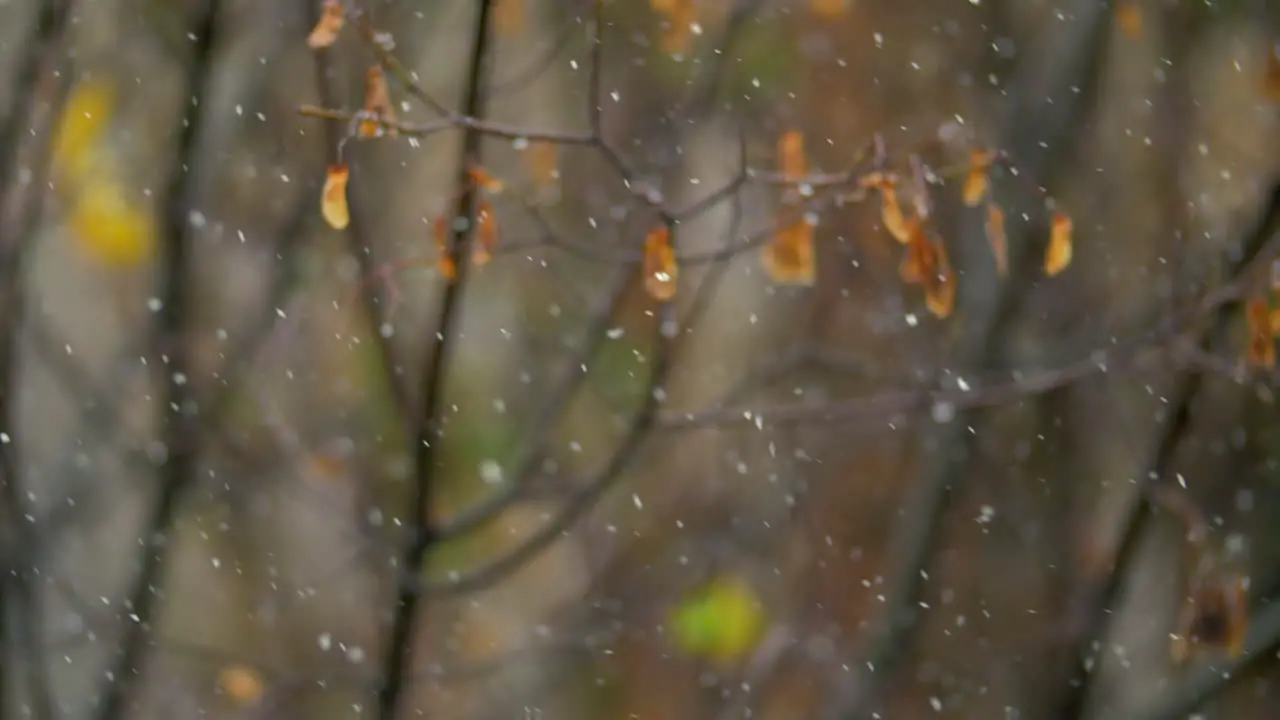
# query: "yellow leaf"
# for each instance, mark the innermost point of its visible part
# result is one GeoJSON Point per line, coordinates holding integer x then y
{"type": "Point", "coordinates": [1058, 255]}
{"type": "Point", "coordinates": [789, 257]}
{"type": "Point", "coordinates": [723, 622]}
{"type": "Point", "coordinates": [997, 238]}
{"type": "Point", "coordinates": [660, 271]}
{"type": "Point", "coordinates": [81, 126]}
{"type": "Point", "coordinates": [333, 201]}
{"type": "Point", "coordinates": [332, 18]}
{"type": "Point", "coordinates": [115, 231]}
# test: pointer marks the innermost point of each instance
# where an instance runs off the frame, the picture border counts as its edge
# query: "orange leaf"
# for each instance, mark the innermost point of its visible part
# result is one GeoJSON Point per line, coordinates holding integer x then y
{"type": "Point", "coordinates": [1129, 18]}
{"type": "Point", "coordinates": [1058, 255]}
{"type": "Point", "coordinates": [325, 33]}
{"type": "Point", "coordinates": [791, 159]}
{"type": "Point", "coordinates": [1275, 322]}
{"type": "Point", "coordinates": [830, 9]}
{"type": "Point", "coordinates": [919, 261]}
{"type": "Point", "coordinates": [997, 238]}
{"type": "Point", "coordinates": [510, 17]}
{"type": "Point", "coordinates": [486, 233]}
{"type": "Point", "coordinates": [977, 183]}
{"type": "Point", "coordinates": [1271, 78]}
{"type": "Point", "coordinates": [660, 271]}
{"type": "Point", "coordinates": [445, 265]}
{"type": "Point", "coordinates": [681, 16]}
{"type": "Point", "coordinates": [891, 213]}
{"type": "Point", "coordinates": [1219, 616]}
{"type": "Point", "coordinates": [241, 683]}
{"type": "Point", "coordinates": [377, 103]}
{"type": "Point", "coordinates": [789, 257]}
{"type": "Point", "coordinates": [1262, 338]}
{"type": "Point", "coordinates": [333, 199]}
{"type": "Point", "coordinates": [486, 182]}
{"type": "Point", "coordinates": [542, 163]}
{"type": "Point", "coordinates": [940, 287]}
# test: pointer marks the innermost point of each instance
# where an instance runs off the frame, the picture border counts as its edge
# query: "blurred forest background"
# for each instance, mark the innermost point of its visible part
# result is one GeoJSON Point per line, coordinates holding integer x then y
{"type": "Point", "coordinates": [273, 451]}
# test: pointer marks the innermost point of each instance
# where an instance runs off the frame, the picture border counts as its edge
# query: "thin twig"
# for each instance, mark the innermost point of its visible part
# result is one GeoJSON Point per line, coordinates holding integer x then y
{"type": "Point", "coordinates": [401, 643]}
{"type": "Point", "coordinates": [20, 606]}
{"type": "Point", "coordinates": [182, 426]}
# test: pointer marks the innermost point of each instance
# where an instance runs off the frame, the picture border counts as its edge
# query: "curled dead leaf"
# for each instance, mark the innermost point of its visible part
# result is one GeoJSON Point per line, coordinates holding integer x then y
{"type": "Point", "coordinates": [333, 199]}
{"type": "Point", "coordinates": [997, 238]}
{"type": "Point", "coordinates": [660, 270]}
{"type": "Point", "coordinates": [1058, 254]}
{"type": "Point", "coordinates": [789, 258]}
{"type": "Point", "coordinates": [325, 33]}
